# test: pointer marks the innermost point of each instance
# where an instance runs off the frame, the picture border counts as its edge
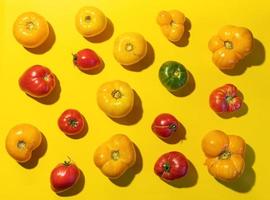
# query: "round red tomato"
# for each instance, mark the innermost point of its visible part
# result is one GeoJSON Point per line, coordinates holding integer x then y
{"type": "Point", "coordinates": [165, 125]}
{"type": "Point", "coordinates": [37, 81]}
{"type": "Point", "coordinates": [71, 122]}
{"type": "Point", "coordinates": [86, 60]}
{"type": "Point", "coordinates": [171, 166]}
{"type": "Point", "coordinates": [64, 176]}
{"type": "Point", "coordinates": [225, 99]}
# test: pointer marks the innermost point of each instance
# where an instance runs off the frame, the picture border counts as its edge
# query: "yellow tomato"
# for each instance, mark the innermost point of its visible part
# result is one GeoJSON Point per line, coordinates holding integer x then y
{"type": "Point", "coordinates": [172, 24]}
{"type": "Point", "coordinates": [115, 156]}
{"type": "Point", "coordinates": [90, 21]}
{"type": "Point", "coordinates": [22, 140]}
{"type": "Point", "coordinates": [225, 155]}
{"type": "Point", "coordinates": [129, 48]}
{"type": "Point", "coordinates": [31, 29]}
{"type": "Point", "coordinates": [115, 98]}
{"type": "Point", "coordinates": [230, 45]}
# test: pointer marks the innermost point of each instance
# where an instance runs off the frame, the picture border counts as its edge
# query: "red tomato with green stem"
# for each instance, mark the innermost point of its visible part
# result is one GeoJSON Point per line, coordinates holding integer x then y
{"type": "Point", "coordinates": [225, 99]}
{"type": "Point", "coordinates": [64, 176]}
{"type": "Point", "coordinates": [86, 60]}
{"type": "Point", "coordinates": [71, 122]}
{"type": "Point", "coordinates": [172, 165]}
{"type": "Point", "coordinates": [165, 125]}
{"type": "Point", "coordinates": [37, 81]}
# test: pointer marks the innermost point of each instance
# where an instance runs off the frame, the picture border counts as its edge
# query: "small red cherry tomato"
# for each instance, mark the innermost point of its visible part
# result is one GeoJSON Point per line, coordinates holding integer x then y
{"type": "Point", "coordinates": [64, 176]}
{"type": "Point", "coordinates": [37, 81]}
{"type": "Point", "coordinates": [86, 60]}
{"type": "Point", "coordinates": [225, 99]}
{"type": "Point", "coordinates": [171, 166]}
{"type": "Point", "coordinates": [165, 125]}
{"type": "Point", "coordinates": [71, 122]}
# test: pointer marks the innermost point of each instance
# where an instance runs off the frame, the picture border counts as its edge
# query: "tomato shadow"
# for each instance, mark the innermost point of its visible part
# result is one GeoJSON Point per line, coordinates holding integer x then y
{"type": "Point", "coordinates": [47, 45]}
{"type": "Point", "coordinates": [147, 61]}
{"type": "Point", "coordinates": [189, 180]}
{"type": "Point", "coordinates": [255, 58]}
{"type": "Point", "coordinates": [238, 113]}
{"type": "Point", "coordinates": [51, 98]}
{"type": "Point", "coordinates": [36, 154]}
{"type": "Point", "coordinates": [186, 89]}
{"type": "Point", "coordinates": [184, 41]}
{"type": "Point", "coordinates": [177, 136]}
{"type": "Point", "coordinates": [76, 189]}
{"type": "Point", "coordinates": [83, 133]}
{"type": "Point", "coordinates": [245, 183]}
{"type": "Point", "coordinates": [130, 174]}
{"type": "Point", "coordinates": [94, 71]}
{"type": "Point", "coordinates": [135, 115]}
{"type": "Point", "coordinates": [105, 35]}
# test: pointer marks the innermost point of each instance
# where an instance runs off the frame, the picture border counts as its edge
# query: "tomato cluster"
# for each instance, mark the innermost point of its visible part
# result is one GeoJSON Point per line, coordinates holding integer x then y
{"type": "Point", "coordinates": [116, 98]}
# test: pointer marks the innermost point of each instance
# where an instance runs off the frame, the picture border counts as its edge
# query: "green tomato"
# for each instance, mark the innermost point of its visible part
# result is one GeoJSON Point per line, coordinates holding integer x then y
{"type": "Point", "coordinates": [173, 75]}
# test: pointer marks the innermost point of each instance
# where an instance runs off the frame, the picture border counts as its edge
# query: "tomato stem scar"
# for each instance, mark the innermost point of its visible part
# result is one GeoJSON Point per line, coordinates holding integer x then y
{"type": "Point", "coordinates": [129, 47]}
{"type": "Point", "coordinates": [116, 94]}
{"type": "Point", "coordinates": [21, 144]}
{"type": "Point", "coordinates": [115, 155]}
{"type": "Point", "coordinates": [228, 45]}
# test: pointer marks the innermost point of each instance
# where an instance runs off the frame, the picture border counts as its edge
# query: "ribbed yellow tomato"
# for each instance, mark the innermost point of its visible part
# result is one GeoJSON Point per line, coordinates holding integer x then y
{"type": "Point", "coordinates": [129, 48]}
{"type": "Point", "coordinates": [115, 98]}
{"type": "Point", "coordinates": [22, 140]}
{"type": "Point", "coordinates": [115, 156]}
{"type": "Point", "coordinates": [225, 155]}
{"type": "Point", "coordinates": [31, 29]}
{"type": "Point", "coordinates": [90, 21]}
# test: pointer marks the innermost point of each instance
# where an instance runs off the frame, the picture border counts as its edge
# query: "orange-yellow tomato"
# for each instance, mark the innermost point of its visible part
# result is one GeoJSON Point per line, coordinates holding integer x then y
{"type": "Point", "coordinates": [230, 45]}
{"type": "Point", "coordinates": [115, 156]}
{"type": "Point", "coordinates": [115, 98]}
{"type": "Point", "coordinates": [31, 29]}
{"type": "Point", "coordinates": [172, 24]}
{"type": "Point", "coordinates": [225, 155]}
{"type": "Point", "coordinates": [90, 21]}
{"type": "Point", "coordinates": [129, 48]}
{"type": "Point", "coordinates": [22, 140]}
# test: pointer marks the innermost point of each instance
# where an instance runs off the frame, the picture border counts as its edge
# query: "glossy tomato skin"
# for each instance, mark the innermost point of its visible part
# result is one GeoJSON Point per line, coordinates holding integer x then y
{"type": "Point", "coordinates": [71, 122]}
{"type": "Point", "coordinates": [225, 99]}
{"type": "Point", "coordinates": [171, 166]}
{"type": "Point", "coordinates": [37, 81]}
{"type": "Point", "coordinates": [165, 125]}
{"type": "Point", "coordinates": [64, 176]}
{"type": "Point", "coordinates": [86, 60]}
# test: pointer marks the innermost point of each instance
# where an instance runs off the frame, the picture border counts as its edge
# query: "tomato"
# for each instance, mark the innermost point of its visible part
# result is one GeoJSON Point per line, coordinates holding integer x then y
{"type": "Point", "coordinates": [86, 59]}
{"type": "Point", "coordinates": [115, 98]}
{"type": "Point", "coordinates": [129, 48]}
{"type": "Point", "coordinates": [71, 122]}
{"type": "Point", "coordinates": [90, 21]}
{"type": "Point", "coordinates": [171, 166]}
{"type": "Point", "coordinates": [37, 81]}
{"type": "Point", "coordinates": [173, 75]}
{"type": "Point", "coordinates": [172, 24]}
{"type": "Point", "coordinates": [30, 29]}
{"type": "Point", "coordinates": [225, 155]}
{"type": "Point", "coordinates": [64, 176]}
{"type": "Point", "coordinates": [225, 99]}
{"type": "Point", "coordinates": [165, 125]}
{"type": "Point", "coordinates": [22, 140]}
{"type": "Point", "coordinates": [230, 45]}
{"type": "Point", "coordinates": [115, 156]}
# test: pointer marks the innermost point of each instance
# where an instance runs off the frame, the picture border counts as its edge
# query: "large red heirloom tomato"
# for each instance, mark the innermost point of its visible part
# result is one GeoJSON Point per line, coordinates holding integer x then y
{"type": "Point", "coordinates": [225, 99]}
{"type": "Point", "coordinates": [37, 81]}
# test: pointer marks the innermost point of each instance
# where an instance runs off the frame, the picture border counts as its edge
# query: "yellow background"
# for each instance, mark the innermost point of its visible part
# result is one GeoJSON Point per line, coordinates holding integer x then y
{"type": "Point", "coordinates": [78, 90]}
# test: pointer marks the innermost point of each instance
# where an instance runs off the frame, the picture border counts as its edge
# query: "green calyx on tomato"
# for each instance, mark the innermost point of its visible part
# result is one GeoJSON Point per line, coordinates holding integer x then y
{"type": "Point", "coordinates": [173, 75]}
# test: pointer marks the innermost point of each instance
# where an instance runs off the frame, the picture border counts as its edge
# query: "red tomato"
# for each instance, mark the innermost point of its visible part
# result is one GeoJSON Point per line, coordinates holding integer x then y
{"type": "Point", "coordinates": [86, 59]}
{"type": "Point", "coordinates": [37, 81]}
{"type": "Point", "coordinates": [71, 122]}
{"type": "Point", "coordinates": [64, 176]}
{"type": "Point", "coordinates": [225, 99]}
{"type": "Point", "coordinates": [171, 166]}
{"type": "Point", "coordinates": [165, 125]}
